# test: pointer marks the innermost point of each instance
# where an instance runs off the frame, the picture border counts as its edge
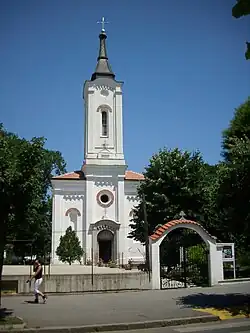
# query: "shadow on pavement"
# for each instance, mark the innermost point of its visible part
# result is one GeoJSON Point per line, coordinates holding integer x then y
{"type": "Point", "coordinates": [5, 313]}
{"type": "Point", "coordinates": [234, 303]}
{"type": "Point", "coordinates": [30, 302]}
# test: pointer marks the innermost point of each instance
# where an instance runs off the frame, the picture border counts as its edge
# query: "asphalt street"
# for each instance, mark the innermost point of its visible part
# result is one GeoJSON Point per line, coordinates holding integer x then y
{"type": "Point", "coordinates": [125, 307]}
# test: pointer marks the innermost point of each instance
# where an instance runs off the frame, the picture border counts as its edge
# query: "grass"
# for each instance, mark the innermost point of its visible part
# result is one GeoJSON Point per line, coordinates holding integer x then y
{"type": "Point", "coordinates": [7, 318]}
{"type": "Point", "coordinates": [9, 292]}
{"type": "Point", "coordinates": [10, 320]}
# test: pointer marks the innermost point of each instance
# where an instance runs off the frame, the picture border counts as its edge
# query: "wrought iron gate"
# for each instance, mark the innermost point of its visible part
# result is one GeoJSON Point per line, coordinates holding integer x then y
{"type": "Point", "coordinates": [184, 260]}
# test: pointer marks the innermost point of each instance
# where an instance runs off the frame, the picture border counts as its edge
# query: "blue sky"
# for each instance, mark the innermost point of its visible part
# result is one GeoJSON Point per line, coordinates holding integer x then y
{"type": "Point", "coordinates": [182, 63]}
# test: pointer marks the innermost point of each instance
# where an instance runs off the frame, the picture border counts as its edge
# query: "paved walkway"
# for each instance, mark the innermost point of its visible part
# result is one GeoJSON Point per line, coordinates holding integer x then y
{"type": "Point", "coordinates": [123, 307]}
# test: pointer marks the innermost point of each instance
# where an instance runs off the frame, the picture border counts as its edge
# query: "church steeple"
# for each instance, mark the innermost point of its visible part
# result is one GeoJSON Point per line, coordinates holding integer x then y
{"type": "Point", "coordinates": [103, 68]}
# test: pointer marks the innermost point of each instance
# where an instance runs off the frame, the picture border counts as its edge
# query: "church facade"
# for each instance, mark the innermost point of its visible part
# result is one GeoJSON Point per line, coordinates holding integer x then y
{"type": "Point", "coordinates": [98, 200]}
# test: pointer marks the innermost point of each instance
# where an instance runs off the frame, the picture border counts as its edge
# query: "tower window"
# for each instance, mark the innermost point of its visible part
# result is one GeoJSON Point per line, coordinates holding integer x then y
{"type": "Point", "coordinates": [104, 123]}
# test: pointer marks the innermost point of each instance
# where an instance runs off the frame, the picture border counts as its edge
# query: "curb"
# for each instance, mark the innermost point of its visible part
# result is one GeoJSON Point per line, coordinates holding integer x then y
{"type": "Point", "coordinates": [12, 327]}
{"type": "Point", "coordinates": [20, 327]}
{"type": "Point", "coordinates": [121, 326]}
{"type": "Point", "coordinates": [87, 292]}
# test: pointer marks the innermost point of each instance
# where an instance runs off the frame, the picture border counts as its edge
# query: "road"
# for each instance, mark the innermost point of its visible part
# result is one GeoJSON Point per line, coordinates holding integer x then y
{"type": "Point", "coordinates": [236, 326]}
{"type": "Point", "coordinates": [127, 307]}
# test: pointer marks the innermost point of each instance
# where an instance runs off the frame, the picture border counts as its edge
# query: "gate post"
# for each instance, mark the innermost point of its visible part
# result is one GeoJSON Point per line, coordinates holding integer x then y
{"type": "Point", "coordinates": [155, 265]}
{"type": "Point", "coordinates": [215, 264]}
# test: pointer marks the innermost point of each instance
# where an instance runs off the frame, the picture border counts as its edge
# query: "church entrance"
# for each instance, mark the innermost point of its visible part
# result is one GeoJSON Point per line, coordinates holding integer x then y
{"type": "Point", "coordinates": [105, 240]}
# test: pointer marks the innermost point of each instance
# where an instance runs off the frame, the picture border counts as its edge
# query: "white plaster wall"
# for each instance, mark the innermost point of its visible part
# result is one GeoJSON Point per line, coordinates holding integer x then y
{"type": "Point", "coordinates": [121, 218]}
{"type": "Point", "coordinates": [81, 195]}
{"type": "Point", "coordinates": [89, 215]}
{"type": "Point", "coordinates": [103, 178]}
{"type": "Point", "coordinates": [112, 178]}
{"type": "Point", "coordinates": [100, 212]}
{"type": "Point", "coordinates": [66, 195]}
{"type": "Point", "coordinates": [76, 202]}
{"type": "Point", "coordinates": [95, 212]}
{"type": "Point", "coordinates": [135, 250]}
{"type": "Point", "coordinates": [94, 98]}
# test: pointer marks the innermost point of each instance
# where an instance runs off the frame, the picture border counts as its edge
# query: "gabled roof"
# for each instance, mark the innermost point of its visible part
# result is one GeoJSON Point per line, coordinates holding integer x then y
{"type": "Point", "coordinates": [79, 175]}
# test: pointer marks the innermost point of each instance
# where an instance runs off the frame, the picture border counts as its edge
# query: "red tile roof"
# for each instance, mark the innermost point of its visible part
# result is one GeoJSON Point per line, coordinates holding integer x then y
{"type": "Point", "coordinates": [75, 175]}
{"type": "Point", "coordinates": [131, 175]}
{"type": "Point", "coordinates": [79, 175]}
{"type": "Point", "coordinates": [161, 230]}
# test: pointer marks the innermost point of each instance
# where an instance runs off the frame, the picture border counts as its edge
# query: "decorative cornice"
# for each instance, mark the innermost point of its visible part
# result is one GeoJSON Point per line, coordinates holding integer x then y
{"type": "Point", "coordinates": [104, 183]}
{"type": "Point", "coordinates": [132, 198]}
{"type": "Point", "coordinates": [103, 87]}
{"type": "Point", "coordinates": [72, 197]}
{"type": "Point", "coordinates": [105, 227]}
{"type": "Point", "coordinates": [105, 224]}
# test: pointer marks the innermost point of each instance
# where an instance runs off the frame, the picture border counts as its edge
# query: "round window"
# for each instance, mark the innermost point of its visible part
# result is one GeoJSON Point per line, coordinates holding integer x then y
{"type": "Point", "coordinates": [105, 198]}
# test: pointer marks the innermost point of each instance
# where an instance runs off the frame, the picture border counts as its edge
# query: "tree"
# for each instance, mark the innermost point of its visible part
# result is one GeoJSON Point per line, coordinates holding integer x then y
{"type": "Point", "coordinates": [26, 168]}
{"type": "Point", "coordinates": [39, 232]}
{"type": "Point", "coordinates": [69, 249]}
{"type": "Point", "coordinates": [233, 195]}
{"type": "Point", "coordinates": [242, 8]}
{"type": "Point", "coordinates": [174, 181]}
{"type": "Point", "coordinates": [239, 127]}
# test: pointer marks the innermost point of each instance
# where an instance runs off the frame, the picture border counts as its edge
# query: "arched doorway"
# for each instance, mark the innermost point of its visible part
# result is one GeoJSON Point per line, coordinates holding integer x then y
{"type": "Point", "coordinates": [105, 240]}
{"type": "Point", "coordinates": [183, 260]}
{"type": "Point", "coordinates": [211, 252]}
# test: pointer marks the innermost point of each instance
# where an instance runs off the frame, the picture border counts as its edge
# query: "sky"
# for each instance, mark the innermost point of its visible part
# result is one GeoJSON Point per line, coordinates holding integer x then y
{"type": "Point", "coordinates": [182, 63]}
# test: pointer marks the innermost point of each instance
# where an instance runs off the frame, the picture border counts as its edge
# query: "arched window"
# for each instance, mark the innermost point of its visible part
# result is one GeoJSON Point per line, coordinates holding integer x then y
{"type": "Point", "coordinates": [131, 214]}
{"type": "Point", "coordinates": [73, 214]}
{"type": "Point", "coordinates": [73, 219]}
{"type": "Point", "coordinates": [104, 123]}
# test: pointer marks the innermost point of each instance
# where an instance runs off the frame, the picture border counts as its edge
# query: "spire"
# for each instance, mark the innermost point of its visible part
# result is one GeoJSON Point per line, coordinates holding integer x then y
{"type": "Point", "coordinates": [103, 68]}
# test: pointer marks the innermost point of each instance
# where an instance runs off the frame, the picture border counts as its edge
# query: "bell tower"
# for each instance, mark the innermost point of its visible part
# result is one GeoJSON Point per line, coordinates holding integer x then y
{"type": "Point", "coordinates": [102, 94]}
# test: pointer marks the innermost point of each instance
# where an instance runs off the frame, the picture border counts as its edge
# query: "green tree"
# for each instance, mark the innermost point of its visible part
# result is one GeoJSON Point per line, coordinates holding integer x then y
{"type": "Point", "coordinates": [239, 127]}
{"type": "Point", "coordinates": [26, 168]}
{"type": "Point", "coordinates": [40, 233]}
{"type": "Point", "coordinates": [233, 195]}
{"type": "Point", "coordinates": [242, 8]}
{"type": "Point", "coordinates": [174, 181]}
{"type": "Point", "coordinates": [69, 249]}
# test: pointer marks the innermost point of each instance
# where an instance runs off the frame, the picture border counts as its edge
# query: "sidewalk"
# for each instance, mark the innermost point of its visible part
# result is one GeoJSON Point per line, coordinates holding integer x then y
{"type": "Point", "coordinates": [123, 307]}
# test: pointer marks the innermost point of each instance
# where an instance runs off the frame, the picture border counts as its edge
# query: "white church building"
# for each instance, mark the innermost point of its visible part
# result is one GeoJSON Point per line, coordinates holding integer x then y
{"type": "Point", "coordinates": [98, 199]}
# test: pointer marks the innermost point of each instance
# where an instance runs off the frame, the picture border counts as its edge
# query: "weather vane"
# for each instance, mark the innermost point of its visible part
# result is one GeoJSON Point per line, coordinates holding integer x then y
{"type": "Point", "coordinates": [102, 22]}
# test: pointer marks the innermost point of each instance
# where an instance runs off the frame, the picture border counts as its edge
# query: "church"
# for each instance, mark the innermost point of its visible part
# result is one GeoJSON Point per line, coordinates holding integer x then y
{"type": "Point", "coordinates": [97, 201]}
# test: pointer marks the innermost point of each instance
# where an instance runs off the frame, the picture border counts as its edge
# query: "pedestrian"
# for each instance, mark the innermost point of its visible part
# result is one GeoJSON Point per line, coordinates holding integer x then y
{"type": "Point", "coordinates": [38, 277]}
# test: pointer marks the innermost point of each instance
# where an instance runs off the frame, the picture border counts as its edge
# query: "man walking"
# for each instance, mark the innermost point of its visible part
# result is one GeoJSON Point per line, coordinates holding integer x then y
{"type": "Point", "coordinates": [38, 277]}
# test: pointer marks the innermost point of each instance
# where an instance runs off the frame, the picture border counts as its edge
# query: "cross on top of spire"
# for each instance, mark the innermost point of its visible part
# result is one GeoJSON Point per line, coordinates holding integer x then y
{"type": "Point", "coordinates": [102, 22]}
{"type": "Point", "coordinates": [103, 68]}
{"type": "Point", "coordinates": [182, 215]}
